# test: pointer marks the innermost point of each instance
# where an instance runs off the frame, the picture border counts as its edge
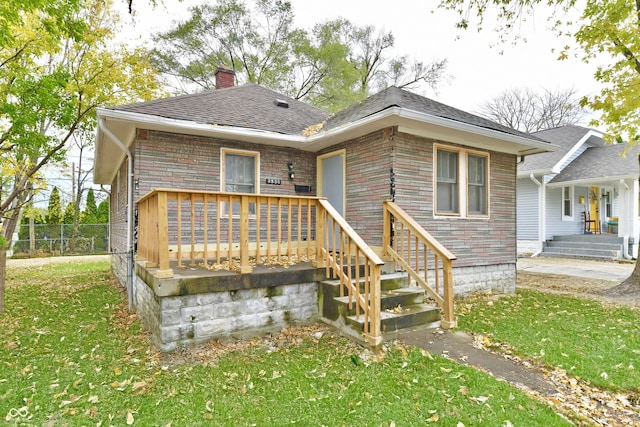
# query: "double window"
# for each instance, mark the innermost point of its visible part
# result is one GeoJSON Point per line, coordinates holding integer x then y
{"type": "Point", "coordinates": [239, 174]}
{"type": "Point", "coordinates": [462, 182]}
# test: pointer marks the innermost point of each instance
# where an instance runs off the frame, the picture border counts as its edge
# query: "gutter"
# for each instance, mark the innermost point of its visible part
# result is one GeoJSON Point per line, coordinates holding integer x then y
{"type": "Point", "coordinates": [389, 117]}
{"type": "Point", "coordinates": [127, 152]}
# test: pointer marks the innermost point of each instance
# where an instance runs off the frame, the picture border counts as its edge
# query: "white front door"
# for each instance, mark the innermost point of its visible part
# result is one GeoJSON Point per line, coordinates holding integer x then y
{"type": "Point", "coordinates": [332, 183]}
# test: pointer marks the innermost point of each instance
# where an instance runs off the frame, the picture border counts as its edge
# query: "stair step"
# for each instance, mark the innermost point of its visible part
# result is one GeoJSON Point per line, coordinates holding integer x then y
{"type": "Point", "coordinates": [582, 254]}
{"type": "Point", "coordinates": [405, 317]}
{"type": "Point", "coordinates": [583, 246]}
{"type": "Point", "coordinates": [400, 307]}
{"type": "Point", "coordinates": [589, 238]}
{"type": "Point", "coordinates": [391, 299]}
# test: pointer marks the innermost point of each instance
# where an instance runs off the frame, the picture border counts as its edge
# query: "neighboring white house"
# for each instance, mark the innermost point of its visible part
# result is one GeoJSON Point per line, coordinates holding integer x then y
{"type": "Point", "coordinates": [585, 179]}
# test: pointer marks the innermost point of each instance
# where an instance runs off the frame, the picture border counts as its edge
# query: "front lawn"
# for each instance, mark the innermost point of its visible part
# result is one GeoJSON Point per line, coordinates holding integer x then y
{"type": "Point", "coordinates": [71, 354]}
{"type": "Point", "coordinates": [591, 341]}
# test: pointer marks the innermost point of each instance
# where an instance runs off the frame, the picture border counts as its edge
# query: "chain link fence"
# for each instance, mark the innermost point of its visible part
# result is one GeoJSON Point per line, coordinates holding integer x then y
{"type": "Point", "coordinates": [42, 240]}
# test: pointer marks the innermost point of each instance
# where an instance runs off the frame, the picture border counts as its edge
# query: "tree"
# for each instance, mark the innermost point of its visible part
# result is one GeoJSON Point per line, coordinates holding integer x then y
{"type": "Point", "coordinates": [54, 210]}
{"type": "Point", "coordinates": [69, 213]}
{"type": "Point", "coordinates": [90, 214]}
{"type": "Point", "coordinates": [82, 141]}
{"type": "Point", "coordinates": [530, 111]}
{"type": "Point", "coordinates": [58, 62]}
{"type": "Point", "coordinates": [102, 216]}
{"type": "Point", "coordinates": [334, 65]}
{"type": "Point", "coordinates": [605, 28]}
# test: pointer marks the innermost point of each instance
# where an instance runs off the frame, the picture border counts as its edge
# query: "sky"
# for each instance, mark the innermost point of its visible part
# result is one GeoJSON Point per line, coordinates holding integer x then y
{"type": "Point", "coordinates": [477, 72]}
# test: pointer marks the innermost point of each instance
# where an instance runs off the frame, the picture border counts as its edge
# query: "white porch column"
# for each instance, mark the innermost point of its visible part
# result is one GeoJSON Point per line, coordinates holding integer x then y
{"type": "Point", "coordinates": [628, 214]}
{"type": "Point", "coordinates": [634, 226]}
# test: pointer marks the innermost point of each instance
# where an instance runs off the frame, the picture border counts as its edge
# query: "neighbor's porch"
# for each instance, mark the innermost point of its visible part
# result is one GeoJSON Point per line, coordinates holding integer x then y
{"type": "Point", "coordinates": [192, 243]}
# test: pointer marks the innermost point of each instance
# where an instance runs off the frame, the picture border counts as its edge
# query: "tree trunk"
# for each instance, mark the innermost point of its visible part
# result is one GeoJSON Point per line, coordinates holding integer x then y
{"type": "Point", "coordinates": [3, 271]}
{"type": "Point", "coordinates": [632, 284]}
{"type": "Point", "coordinates": [32, 238]}
{"type": "Point", "coordinates": [10, 225]}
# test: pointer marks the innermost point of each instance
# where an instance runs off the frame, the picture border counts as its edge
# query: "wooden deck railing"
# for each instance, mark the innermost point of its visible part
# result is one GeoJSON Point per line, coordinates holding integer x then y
{"type": "Point", "coordinates": [251, 229]}
{"type": "Point", "coordinates": [412, 247]}
{"type": "Point", "coordinates": [247, 229]}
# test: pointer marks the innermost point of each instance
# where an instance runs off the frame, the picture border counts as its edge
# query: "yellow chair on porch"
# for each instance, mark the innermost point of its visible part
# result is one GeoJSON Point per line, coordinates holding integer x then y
{"type": "Point", "coordinates": [613, 222]}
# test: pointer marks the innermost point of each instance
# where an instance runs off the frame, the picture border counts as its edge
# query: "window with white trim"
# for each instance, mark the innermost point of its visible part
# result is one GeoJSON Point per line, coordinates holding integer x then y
{"type": "Point", "coordinates": [567, 203]}
{"type": "Point", "coordinates": [239, 174]}
{"type": "Point", "coordinates": [477, 184]}
{"type": "Point", "coordinates": [461, 182]}
{"type": "Point", "coordinates": [447, 182]}
{"type": "Point", "coordinates": [471, 168]}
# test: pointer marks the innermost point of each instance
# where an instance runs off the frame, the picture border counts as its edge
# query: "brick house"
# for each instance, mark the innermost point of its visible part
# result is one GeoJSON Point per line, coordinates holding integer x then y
{"type": "Point", "coordinates": [451, 172]}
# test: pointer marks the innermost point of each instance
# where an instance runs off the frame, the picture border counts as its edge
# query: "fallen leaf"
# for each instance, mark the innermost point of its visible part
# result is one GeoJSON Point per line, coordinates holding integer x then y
{"type": "Point", "coordinates": [129, 418]}
{"type": "Point", "coordinates": [480, 399]}
{"type": "Point", "coordinates": [138, 384]}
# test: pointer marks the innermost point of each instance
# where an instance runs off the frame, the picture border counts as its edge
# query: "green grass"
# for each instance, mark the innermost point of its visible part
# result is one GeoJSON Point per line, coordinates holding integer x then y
{"type": "Point", "coordinates": [597, 343]}
{"type": "Point", "coordinates": [70, 354]}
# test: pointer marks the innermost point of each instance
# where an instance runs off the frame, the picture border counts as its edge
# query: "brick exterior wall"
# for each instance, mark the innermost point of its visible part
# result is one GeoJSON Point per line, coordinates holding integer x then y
{"type": "Point", "coordinates": [118, 213]}
{"type": "Point", "coordinates": [475, 241]}
{"type": "Point", "coordinates": [368, 164]}
{"type": "Point", "coordinates": [167, 160]}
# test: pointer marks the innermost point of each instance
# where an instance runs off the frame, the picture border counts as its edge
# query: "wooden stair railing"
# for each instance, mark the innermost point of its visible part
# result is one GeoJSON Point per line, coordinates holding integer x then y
{"type": "Point", "coordinates": [410, 247]}
{"type": "Point", "coordinates": [354, 263]}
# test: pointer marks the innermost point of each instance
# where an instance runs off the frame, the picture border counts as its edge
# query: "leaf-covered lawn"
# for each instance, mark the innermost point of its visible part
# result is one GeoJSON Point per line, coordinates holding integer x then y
{"type": "Point", "coordinates": [595, 342]}
{"type": "Point", "coordinates": [70, 354]}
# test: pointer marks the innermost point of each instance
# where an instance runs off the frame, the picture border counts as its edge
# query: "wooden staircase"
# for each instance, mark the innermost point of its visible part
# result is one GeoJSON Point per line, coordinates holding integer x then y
{"type": "Point", "coordinates": [401, 306]}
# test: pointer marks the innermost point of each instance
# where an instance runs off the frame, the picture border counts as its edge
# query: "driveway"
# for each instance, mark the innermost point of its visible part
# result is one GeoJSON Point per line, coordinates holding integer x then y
{"type": "Point", "coordinates": [36, 262]}
{"type": "Point", "coordinates": [600, 270]}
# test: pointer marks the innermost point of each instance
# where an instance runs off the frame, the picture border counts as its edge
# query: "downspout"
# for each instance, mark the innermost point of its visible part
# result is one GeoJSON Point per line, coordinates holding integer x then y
{"type": "Point", "coordinates": [541, 219]}
{"type": "Point", "coordinates": [625, 238]}
{"type": "Point", "coordinates": [125, 149]}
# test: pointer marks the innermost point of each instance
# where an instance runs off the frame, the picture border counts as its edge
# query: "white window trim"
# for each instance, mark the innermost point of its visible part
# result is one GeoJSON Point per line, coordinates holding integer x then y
{"type": "Point", "coordinates": [466, 188]}
{"type": "Point", "coordinates": [571, 198]}
{"type": "Point", "coordinates": [224, 151]}
{"type": "Point", "coordinates": [463, 195]}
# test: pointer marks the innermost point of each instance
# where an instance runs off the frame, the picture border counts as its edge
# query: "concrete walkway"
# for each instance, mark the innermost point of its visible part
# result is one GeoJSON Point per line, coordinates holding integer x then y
{"type": "Point", "coordinates": [459, 346]}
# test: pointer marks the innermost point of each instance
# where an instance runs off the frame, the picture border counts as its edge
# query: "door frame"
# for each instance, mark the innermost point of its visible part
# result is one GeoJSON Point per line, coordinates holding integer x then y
{"type": "Point", "coordinates": [319, 172]}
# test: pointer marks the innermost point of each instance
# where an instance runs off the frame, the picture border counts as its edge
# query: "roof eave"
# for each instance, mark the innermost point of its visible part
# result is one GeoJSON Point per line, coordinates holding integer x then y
{"type": "Point", "coordinates": [409, 121]}
{"type": "Point", "coordinates": [434, 127]}
{"type": "Point", "coordinates": [586, 182]}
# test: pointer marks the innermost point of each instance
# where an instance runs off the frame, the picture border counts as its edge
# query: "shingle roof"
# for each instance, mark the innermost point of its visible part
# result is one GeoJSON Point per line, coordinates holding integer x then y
{"type": "Point", "coordinates": [396, 97]}
{"type": "Point", "coordinates": [601, 162]}
{"type": "Point", "coordinates": [565, 137]}
{"type": "Point", "coordinates": [248, 106]}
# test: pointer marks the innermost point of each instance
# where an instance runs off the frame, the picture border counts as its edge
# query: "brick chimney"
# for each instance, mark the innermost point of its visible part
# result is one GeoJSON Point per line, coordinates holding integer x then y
{"type": "Point", "coordinates": [225, 77]}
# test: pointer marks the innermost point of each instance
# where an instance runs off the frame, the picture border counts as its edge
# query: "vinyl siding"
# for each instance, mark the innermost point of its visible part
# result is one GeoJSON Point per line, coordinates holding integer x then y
{"type": "Point", "coordinates": [528, 208]}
